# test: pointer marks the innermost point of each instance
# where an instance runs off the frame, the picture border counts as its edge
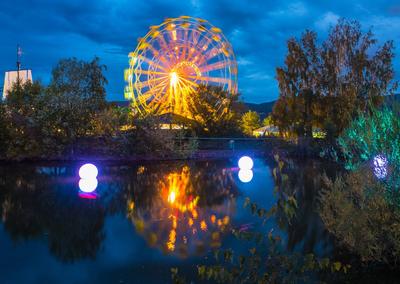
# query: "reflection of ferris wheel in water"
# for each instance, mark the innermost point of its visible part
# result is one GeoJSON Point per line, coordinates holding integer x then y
{"type": "Point", "coordinates": [173, 59]}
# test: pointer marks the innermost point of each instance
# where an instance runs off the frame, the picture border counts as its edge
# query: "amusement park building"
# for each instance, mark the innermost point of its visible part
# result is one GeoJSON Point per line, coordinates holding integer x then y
{"type": "Point", "coordinates": [11, 78]}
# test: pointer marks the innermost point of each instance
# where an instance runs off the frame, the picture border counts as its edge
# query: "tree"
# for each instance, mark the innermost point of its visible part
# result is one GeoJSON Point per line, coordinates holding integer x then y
{"type": "Point", "coordinates": [250, 121]}
{"type": "Point", "coordinates": [368, 192]}
{"type": "Point", "coordinates": [23, 105]}
{"type": "Point", "coordinates": [326, 85]}
{"type": "Point", "coordinates": [4, 135]}
{"type": "Point", "coordinates": [43, 121]}
{"type": "Point", "coordinates": [148, 138]}
{"type": "Point", "coordinates": [108, 122]}
{"type": "Point", "coordinates": [373, 232]}
{"type": "Point", "coordinates": [374, 136]}
{"type": "Point", "coordinates": [296, 81]}
{"type": "Point", "coordinates": [75, 94]}
{"type": "Point", "coordinates": [212, 111]}
{"type": "Point", "coordinates": [80, 80]}
{"type": "Point", "coordinates": [267, 121]}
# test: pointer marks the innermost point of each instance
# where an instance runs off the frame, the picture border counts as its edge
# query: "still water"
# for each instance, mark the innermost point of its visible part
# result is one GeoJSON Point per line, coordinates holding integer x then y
{"type": "Point", "coordinates": [132, 223]}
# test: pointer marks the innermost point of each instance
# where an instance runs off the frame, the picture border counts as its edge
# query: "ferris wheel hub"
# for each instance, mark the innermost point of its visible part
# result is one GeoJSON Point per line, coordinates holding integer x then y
{"type": "Point", "coordinates": [187, 68]}
{"type": "Point", "coordinates": [173, 78]}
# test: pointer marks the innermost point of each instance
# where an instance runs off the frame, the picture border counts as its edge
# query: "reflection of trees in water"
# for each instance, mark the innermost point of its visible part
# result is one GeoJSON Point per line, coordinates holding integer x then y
{"type": "Point", "coordinates": [188, 208]}
{"type": "Point", "coordinates": [355, 209]}
{"type": "Point", "coordinates": [42, 203]}
{"type": "Point", "coordinates": [301, 179]}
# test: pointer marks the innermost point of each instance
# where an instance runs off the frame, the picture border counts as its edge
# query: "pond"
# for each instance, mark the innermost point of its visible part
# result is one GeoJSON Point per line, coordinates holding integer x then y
{"type": "Point", "coordinates": [133, 222]}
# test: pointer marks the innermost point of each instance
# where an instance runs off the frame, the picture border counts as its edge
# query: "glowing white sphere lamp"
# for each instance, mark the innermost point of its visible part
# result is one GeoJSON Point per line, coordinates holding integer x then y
{"type": "Point", "coordinates": [245, 176]}
{"type": "Point", "coordinates": [88, 185]}
{"type": "Point", "coordinates": [88, 171]}
{"type": "Point", "coordinates": [245, 163]}
{"type": "Point", "coordinates": [380, 166]}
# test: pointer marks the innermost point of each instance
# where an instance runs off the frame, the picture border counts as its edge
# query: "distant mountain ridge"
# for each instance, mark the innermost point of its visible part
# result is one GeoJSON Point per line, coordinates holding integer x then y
{"type": "Point", "coordinates": [264, 109]}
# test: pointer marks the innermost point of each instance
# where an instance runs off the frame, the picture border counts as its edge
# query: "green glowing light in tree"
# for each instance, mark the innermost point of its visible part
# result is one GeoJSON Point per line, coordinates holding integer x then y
{"type": "Point", "coordinates": [370, 135]}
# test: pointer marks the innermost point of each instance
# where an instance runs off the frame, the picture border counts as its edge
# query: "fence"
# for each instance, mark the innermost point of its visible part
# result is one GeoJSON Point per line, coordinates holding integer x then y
{"type": "Point", "coordinates": [234, 143]}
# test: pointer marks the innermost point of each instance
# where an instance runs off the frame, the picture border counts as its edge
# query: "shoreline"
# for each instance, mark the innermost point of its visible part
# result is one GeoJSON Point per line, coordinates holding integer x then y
{"type": "Point", "coordinates": [199, 155]}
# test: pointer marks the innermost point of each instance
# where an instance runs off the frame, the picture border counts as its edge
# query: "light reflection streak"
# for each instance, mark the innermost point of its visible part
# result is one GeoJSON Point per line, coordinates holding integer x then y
{"type": "Point", "coordinates": [176, 218]}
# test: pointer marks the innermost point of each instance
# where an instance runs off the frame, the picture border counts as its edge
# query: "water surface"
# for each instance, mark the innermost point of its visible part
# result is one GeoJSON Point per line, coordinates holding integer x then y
{"type": "Point", "coordinates": [142, 219]}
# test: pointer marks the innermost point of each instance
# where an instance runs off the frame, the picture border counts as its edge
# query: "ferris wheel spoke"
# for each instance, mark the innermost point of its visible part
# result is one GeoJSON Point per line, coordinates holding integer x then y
{"type": "Point", "coordinates": [188, 86]}
{"type": "Point", "coordinates": [147, 83]}
{"type": "Point", "coordinates": [196, 37]}
{"type": "Point", "coordinates": [214, 52]}
{"type": "Point", "coordinates": [192, 89]}
{"type": "Point", "coordinates": [193, 39]}
{"type": "Point", "coordinates": [218, 80]}
{"type": "Point", "coordinates": [191, 50]}
{"type": "Point", "coordinates": [172, 34]}
{"type": "Point", "coordinates": [215, 66]}
{"type": "Point", "coordinates": [152, 63]}
{"type": "Point", "coordinates": [212, 79]}
{"type": "Point", "coordinates": [195, 57]}
{"type": "Point", "coordinates": [189, 81]}
{"type": "Point", "coordinates": [157, 95]}
{"type": "Point", "coordinates": [154, 92]}
{"type": "Point", "coordinates": [147, 72]}
{"type": "Point", "coordinates": [190, 47]}
{"type": "Point", "coordinates": [162, 58]}
{"type": "Point", "coordinates": [185, 39]}
{"type": "Point", "coordinates": [176, 97]}
{"type": "Point", "coordinates": [204, 59]}
{"type": "Point", "coordinates": [204, 43]}
{"type": "Point", "coordinates": [162, 41]}
{"type": "Point", "coordinates": [177, 51]}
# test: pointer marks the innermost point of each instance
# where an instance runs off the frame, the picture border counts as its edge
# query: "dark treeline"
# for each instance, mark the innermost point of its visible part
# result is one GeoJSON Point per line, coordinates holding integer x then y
{"type": "Point", "coordinates": [71, 116]}
{"type": "Point", "coordinates": [326, 85]}
{"type": "Point", "coordinates": [39, 121]}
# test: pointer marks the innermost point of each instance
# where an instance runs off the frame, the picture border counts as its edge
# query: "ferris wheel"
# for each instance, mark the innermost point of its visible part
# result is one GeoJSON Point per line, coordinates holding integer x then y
{"type": "Point", "coordinates": [172, 60]}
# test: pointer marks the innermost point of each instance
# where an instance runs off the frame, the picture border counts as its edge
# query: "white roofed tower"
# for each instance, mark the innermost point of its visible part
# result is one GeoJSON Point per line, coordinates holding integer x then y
{"type": "Point", "coordinates": [11, 77]}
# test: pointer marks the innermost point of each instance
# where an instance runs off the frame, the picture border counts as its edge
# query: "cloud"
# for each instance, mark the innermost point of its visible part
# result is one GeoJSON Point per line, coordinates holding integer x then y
{"type": "Point", "coordinates": [292, 9]}
{"type": "Point", "coordinates": [241, 61]}
{"type": "Point", "coordinates": [258, 30]}
{"type": "Point", "coordinates": [328, 20]}
{"type": "Point", "coordinates": [259, 76]}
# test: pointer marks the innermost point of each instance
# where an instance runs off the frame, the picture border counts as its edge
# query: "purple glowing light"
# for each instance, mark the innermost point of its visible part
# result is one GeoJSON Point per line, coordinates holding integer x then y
{"type": "Point", "coordinates": [85, 195]}
{"type": "Point", "coordinates": [380, 166]}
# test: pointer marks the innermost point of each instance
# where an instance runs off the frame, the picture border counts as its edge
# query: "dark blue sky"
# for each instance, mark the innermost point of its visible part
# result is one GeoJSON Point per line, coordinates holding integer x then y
{"type": "Point", "coordinates": [49, 30]}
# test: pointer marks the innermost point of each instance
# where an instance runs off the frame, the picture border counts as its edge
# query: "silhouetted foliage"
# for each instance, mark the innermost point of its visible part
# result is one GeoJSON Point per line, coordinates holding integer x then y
{"type": "Point", "coordinates": [250, 121]}
{"type": "Point", "coordinates": [75, 94]}
{"type": "Point", "coordinates": [326, 85]}
{"type": "Point", "coordinates": [354, 208]}
{"type": "Point", "coordinates": [24, 105]}
{"type": "Point", "coordinates": [213, 113]}
{"type": "Point", "coordinates": [40, 121]}
{"type": "Point", "coordinates": [4, 131]}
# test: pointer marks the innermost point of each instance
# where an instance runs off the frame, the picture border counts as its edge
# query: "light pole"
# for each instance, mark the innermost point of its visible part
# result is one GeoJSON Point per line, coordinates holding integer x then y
{"type": "Point", "coordinates": [19, 54]}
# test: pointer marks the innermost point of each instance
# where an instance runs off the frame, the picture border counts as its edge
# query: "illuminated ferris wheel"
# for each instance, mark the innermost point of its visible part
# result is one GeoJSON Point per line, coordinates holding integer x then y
{"type": "Point", "coordinates": [172, 60]}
